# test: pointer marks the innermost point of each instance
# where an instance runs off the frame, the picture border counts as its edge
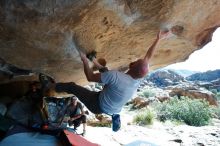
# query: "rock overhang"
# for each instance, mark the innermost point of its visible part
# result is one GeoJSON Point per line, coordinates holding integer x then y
{"type": "Point", "coordinates": [45, 36]}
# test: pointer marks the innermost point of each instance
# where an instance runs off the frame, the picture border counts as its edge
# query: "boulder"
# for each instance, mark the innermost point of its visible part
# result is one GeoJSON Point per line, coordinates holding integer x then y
{"type": "Point", "coordinates": [196, 93]}
{"type": "Point", "coordinates": [164, 78]}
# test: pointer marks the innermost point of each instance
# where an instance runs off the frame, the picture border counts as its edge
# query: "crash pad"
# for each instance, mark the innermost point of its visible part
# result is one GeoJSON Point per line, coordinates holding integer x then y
{"type": "Point", "coordinates": [77, 140]}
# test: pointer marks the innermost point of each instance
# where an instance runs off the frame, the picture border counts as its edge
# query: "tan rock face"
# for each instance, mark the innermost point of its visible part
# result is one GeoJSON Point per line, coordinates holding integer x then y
{"type": "Point", "coordinates": [45, 35]}
{"type": "Point", "coordinates": [195, 94]}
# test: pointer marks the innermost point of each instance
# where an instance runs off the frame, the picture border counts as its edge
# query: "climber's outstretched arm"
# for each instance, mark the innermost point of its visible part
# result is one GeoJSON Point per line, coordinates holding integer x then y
{"type": "Point", "coordinates": [150, 51]}
{"type": "Point", "coordinates": [97, 64]}
{"type": "Point", "coordinates": [90, 75]}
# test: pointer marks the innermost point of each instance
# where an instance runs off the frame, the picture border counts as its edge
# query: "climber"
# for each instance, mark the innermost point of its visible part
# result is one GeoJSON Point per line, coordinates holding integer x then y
{"type": "Point", "coordinates": [119, 86]}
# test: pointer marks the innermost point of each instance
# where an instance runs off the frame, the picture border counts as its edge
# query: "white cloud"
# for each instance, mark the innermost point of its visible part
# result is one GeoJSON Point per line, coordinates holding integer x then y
{"type": "Point", "coordinates": [207, 58]}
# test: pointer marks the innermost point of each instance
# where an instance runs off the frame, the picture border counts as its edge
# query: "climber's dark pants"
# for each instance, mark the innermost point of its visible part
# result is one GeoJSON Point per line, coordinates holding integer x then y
{"type": "Point", "coordinates": [89, 98]}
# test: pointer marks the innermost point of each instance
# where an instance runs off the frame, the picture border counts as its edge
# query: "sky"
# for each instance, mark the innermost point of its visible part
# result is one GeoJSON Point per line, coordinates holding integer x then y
{"type": "Point", "coordinates": [207, 58]}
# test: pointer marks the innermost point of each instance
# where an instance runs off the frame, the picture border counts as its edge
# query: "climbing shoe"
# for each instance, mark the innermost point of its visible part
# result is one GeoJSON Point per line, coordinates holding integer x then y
{"type": "Point", "coordinates": [91, 55]}
{"type": "Point", "coordinates": [116, 122]}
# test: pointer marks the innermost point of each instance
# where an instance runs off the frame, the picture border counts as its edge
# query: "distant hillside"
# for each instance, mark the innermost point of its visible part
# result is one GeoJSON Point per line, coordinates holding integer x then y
{"type": "Point", "coordinates": [164, 77]}
{"type": "Point", "coordinates": [184, 73]}
{"type": "Point", "coordinates": [205, 76]}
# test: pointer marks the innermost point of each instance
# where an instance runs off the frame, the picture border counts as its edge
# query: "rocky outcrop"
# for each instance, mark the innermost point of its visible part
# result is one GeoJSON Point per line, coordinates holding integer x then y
{"type": "Point", "coordinates": [213, 85]}
{"type": "Point", "coordinates": [99, 120]}
{"type": "Point", "coordinates": [138, 103]}
{"type": "Point", "coordinates": [45, 35]}
{"type": "Point", "coordinates": [195, 93]}
{"type": "Point", "coordinates": [164, 78]}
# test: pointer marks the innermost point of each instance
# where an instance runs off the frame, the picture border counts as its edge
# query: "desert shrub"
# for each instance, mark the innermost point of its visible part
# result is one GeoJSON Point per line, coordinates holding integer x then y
{"type": "Point", "coordinates": [216, 112]}
{"type": "Point", "coordinates": [217, 96]}
{"type": "Point", "coordinates": [147, 93]}
{"type": "Point", "coordinates": [216, 93]}
{"type": "Point", "coordinates": [194, 112]}
{"type": "Point", "coordinates": [145, 117]}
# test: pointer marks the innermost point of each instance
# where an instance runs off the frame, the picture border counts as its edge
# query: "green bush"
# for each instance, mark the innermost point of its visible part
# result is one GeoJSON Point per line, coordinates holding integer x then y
{"type": "Point", "coordinates": [217, 96]}
{"type": "Point", "coordinates": [194, 112]}
{"type": "Point", "coordinates": [144, 118]}
{"type": "Point", "coordinates": [147, 93]}
{"type": "Point", "coordinates": [216, 112]}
